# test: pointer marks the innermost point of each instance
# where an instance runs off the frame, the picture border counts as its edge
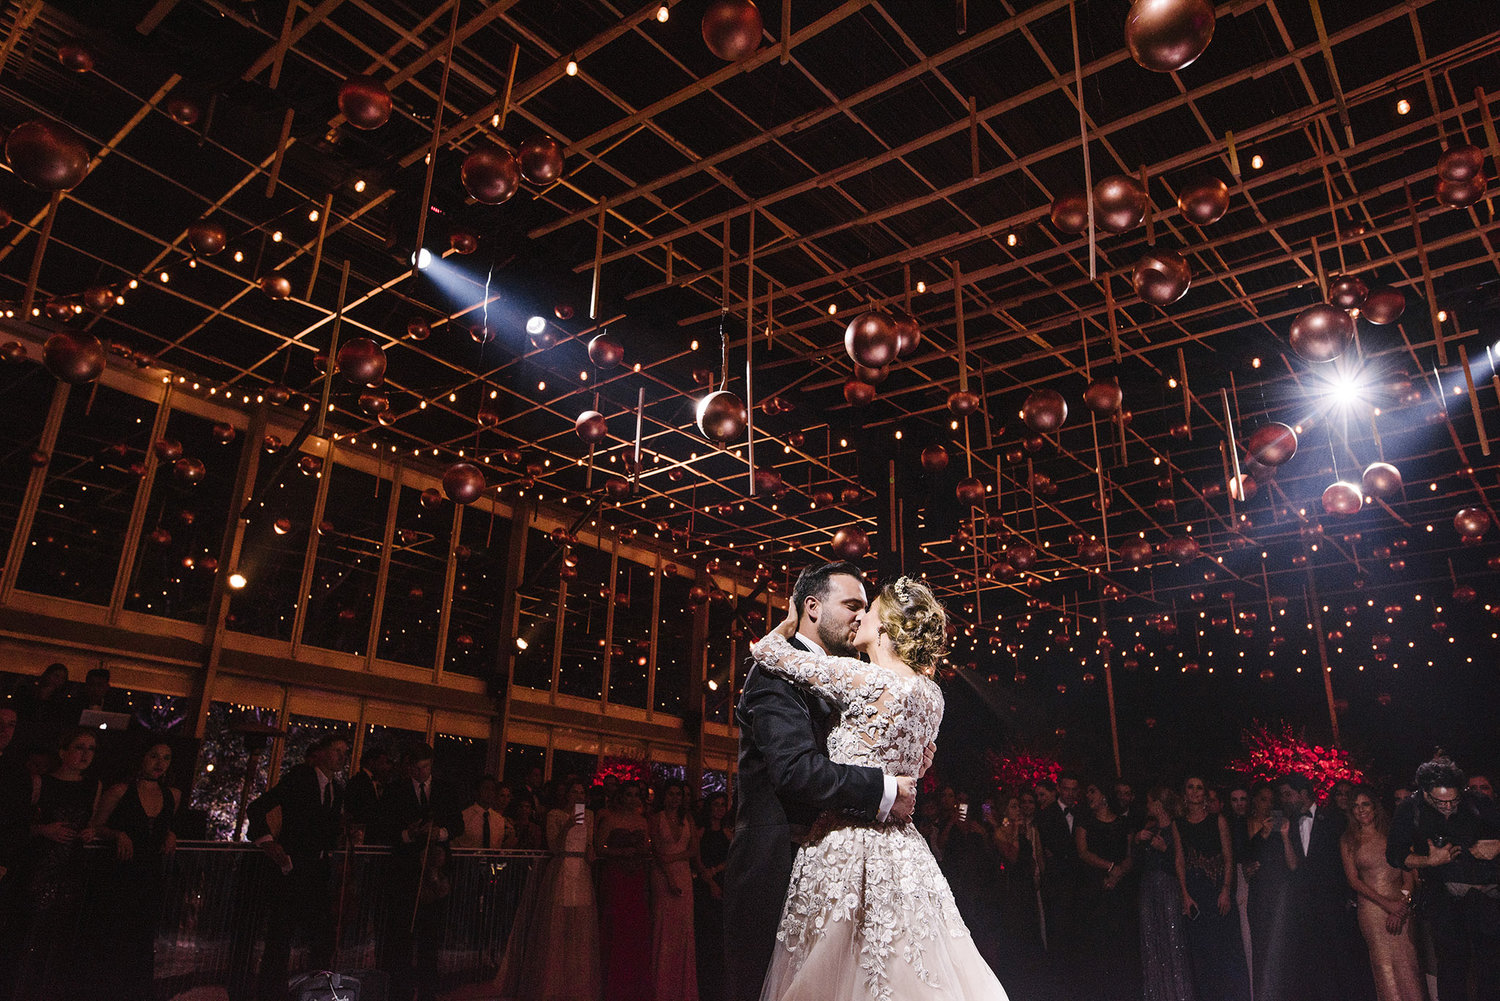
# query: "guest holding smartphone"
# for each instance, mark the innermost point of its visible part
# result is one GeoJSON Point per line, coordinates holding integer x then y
{"type": "Point", "coordinates": [1270, 861]}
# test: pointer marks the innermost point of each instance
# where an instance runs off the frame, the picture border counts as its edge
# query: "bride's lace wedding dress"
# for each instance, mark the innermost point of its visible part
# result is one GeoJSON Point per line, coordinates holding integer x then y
{"type": "Point", "coordinates": [868, 914]}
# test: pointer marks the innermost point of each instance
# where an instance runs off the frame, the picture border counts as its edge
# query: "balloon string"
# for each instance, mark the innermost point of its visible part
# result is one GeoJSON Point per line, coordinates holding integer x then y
{"type": "Point", "coordinates": [723, 350]}
{"type": "Point", "coordinates": [1333, 452]}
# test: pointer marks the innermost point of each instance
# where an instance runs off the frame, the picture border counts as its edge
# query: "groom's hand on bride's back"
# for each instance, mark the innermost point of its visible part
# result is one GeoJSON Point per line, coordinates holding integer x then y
{"type": "Point", "coordinates": [906, 799]}
{"type": "Point", "coordinates": [927, 756]}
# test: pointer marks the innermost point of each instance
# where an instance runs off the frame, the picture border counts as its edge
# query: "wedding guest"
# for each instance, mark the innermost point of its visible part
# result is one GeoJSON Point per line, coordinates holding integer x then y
{"type": "Point", "coordinates": [711, 853]}
{"type": "Point", "coordinates": [622, 846]}
{"type": "Point", "coordinates": [1480, 785]}
{"type": "Point", "coordinates": [1054, 824]}
{"type": "Point", "coordinates": [1165, 965]}
{"type": "Point", "coordinates": [674, 964]}
{"type": "Point", "coordinates": [1330, 964]}
{"type": "Point", "coordinates": [44, 708]}
{"type": "Point", "coordinates": [1103, 844]}
{"type": "Point", "coordinates": [1384, 907]}
{"type": "Point", "coordinates": [1206, 874]}
{"type": "Point", "coordinates": [1238, 816]}
{"type": "Point", "coordinates": [485, 826]}
{"type": "Point", "coordinates": [1021, 857]}
{"type": "Point", "coordinates": [1342, 796]}
{"type": "Point", "coordinates": [362, 792]}
{"type": "Point", "coordinates": [1271, 859]}
{"type": "Point", "coordinates": [529, 834]}
{"type": "Point", "coordinates": [137, 816]}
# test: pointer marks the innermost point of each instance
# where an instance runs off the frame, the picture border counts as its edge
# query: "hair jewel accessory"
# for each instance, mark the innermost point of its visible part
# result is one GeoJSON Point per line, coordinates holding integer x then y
{"type": "Point", "coordinates": [903, 591]}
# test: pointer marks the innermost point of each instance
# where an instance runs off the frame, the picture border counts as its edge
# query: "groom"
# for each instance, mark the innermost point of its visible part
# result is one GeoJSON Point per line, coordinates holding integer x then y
{"type": "Point", "coordinates": [786, 779]}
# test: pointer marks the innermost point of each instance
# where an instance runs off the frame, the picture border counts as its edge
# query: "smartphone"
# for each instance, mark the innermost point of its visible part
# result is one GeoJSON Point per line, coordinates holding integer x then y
{"type": "Point", "coordinates": [1439, 840]}
{"type": "Point", "coordinates": [987, 811]}
{"type": "Point", "coordinates": [578, 809]}
{"type": "Point", "coordinates": [963, 811]}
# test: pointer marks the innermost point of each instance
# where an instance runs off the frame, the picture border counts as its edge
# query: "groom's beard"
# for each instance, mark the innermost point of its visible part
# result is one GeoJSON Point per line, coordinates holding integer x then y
{"type": "Point", "coordinates": [838, 642]}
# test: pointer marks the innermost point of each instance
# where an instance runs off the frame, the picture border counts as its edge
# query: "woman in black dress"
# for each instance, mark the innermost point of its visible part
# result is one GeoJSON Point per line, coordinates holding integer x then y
{"type": "Point", "coordinates": [712, 852]}
{"type": "Point", "coordinates": [1165, 965]}
{"type": "Point", "coordinates": [137, 816]}
{"type": "Point", "coordinates": [62, 804]}
{"type": "Point", "coordinates": [1020, 852]}
{"type": "Point", "coordinates": [1103, 840]}
{"type": "Point", "coordinates": [1205, 871]}
{"type": "Point", "coordinates": [1270, 860]}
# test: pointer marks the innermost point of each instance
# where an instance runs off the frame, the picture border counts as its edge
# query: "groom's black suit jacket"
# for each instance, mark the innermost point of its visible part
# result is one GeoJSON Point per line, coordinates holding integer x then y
{"type": "Point", "coordinates": [785, 780]}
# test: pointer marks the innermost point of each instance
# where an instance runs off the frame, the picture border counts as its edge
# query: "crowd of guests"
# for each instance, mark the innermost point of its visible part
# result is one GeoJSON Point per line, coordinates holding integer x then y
{"type": "Point", "coordinates": [1197, 893]}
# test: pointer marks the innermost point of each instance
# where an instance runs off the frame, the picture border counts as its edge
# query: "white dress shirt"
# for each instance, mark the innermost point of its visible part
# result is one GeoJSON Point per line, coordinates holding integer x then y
{"type": "Point", "coordinates": [1304, 828]}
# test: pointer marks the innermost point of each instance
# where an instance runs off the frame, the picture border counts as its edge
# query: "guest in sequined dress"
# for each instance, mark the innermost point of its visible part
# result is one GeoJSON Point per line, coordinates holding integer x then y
{"type": "Point", "coordinates": [1384, 908]}
{"type": "Point", "coordinates": [1164, 957]}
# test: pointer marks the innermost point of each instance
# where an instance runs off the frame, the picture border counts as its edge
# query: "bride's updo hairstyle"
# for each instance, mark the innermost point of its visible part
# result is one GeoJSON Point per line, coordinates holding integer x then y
{"type": "Point", "coordinates": [915, 622]}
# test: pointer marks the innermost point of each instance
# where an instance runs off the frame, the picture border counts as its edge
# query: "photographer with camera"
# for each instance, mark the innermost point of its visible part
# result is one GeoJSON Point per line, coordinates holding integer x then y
{"type": "Point", "coordinates": [1451, 837]}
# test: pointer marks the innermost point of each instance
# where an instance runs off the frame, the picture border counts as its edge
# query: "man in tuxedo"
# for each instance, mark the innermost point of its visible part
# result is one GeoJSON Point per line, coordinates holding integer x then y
{"type": "Point", "coordinates": [1055, 819]}
{"type": "Point", "coordinates": [786, 778]}
{"type": "Point", "coordinates": [485, 826]}
{"type": "Point", "coordinates": [1329, 950]}
{"type": "Point", "coordinates": [362, 794]}
{"type": "Point", "coordinates": [297, 824]}
{"type": "Point", "coordinates": [421, 815]}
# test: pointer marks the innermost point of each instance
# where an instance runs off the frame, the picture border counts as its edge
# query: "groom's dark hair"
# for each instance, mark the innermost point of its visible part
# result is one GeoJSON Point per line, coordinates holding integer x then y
{"type": "Point", "coordinates": [813, 582]}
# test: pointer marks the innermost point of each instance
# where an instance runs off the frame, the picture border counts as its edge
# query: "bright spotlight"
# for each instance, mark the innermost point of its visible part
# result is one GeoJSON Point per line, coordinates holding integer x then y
{"type": "Point", "coordinates": [521, 644]}
{"type": "Point", "coordinates": [237, 581]}
{"type": "Point", "coordinates": [1345, 389]}
{"type": "Point", "coordinates": [536, 325]}
{"type": "Point", "coordinates": [422, 259]}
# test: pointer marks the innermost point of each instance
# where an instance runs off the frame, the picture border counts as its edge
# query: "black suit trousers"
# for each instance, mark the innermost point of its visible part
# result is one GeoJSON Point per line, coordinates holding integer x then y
{"type": "Point", "coordinates": [756, 878]}
{"type": "Point", "coordinates": [300, 900]}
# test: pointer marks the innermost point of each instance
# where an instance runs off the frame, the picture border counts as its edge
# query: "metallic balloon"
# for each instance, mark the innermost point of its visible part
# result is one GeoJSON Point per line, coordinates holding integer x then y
{"type": "Point", "coordinates": [1244, 487]}
{"type": "Point", "coordinates": [1044, 411]}
{"type": "Point", "coordinates": [463, 240]}
{"type": "Point", "coordinates": [1119, 203]}
{"type": "Point", "coordinates": [858, 394]}
{"type": "Point", "coordinates": [541, 160]}
{"type": "Point", "coordinates": [167, 450]}
{"type": "Point", "coordinates": [207, 237]}
{"type": "Point", "coordinates": [1321, 332]}
{"type": "Point", "coordinates": [374, 403]}
{"type": "Point", "coordinates": [1091, 551]}
{"type": "Point", "coordinates": [1461, 194]}
{"type": "Point", "coordinates": [1021, 555]}
{"type": "Point", "coordinates": [277, 395]}
{"type": "Point", "coordinates": [1381, 479]}
{"type": "Point", "coordinates": [1203, 200]}
{"type": "Point", "coordinates": [365, 102]}
{"type": "Point", "coordinates": [1182, 548]}
{"type": "Point", "coordinates": [1472, 522]}
{"type": "Point", "coordinates": [362, 361]}
{"type": "Point", "coordinates": [908, 332]}
{"type": "Point", "coordinates": [870, 339]}
{"type": "Point", "coordinates": [224, 433]}
{"type": "Point", "coordinates": [1162, 277]}
{"type": "Point", "coordinates": [1166, 35]}
{"type": "Point", "coordinates": [871, 376]}
{"type": "Point", "coordinates": [74, 358]}
{"type": "Point", "coordinates": [491, 175]}
{"type": "Point", "coordinates": [47, 155]}
{"type": "Point", "coordinates": [431, 498]}
{"type": "Point", "coordinates": [1461, 163]}
{"type": "Point", "coordinates": [970, 491]}
{"type": "Point", "coordinates": [276, 286]}
{"type": "Point", "coordinates": [1135, 550]}
{"type": "Point", "coordinates": [189, 471]}
{"type": "Point", "coordinates": [463, 482]}
{"type": "Point", "coordinates": [1384, 305]}
{"type": "Point", "coordinates": [1273, 444]}
{"type": "Point", "coordinates": [12, 351]}
{"type": "Point", "coordinates": [1070, 213]}
{"type": "Point", "coordinates": [606, 351]}
{"type": "Point", "coordinates": [732, 29]}
{"type": "Point", "coordinates": [721, 417]}
{"type": "Point", "coordinates": [1103, 396]}
{"type": "Point", "coordinates": [184, 110]}
{"type": "Point", "coordinates": [98, 297]}
{"type": "Point", "coordinates": [934, 458]}
{"type": "Point", "coordinates": [963, 402]}
{"type": "Point", "coordinates": [1347, 292]}
{"type": "Point", "coordinates": [418, 330]}
{"type": "Point", "coordinates": [1343, 498]}
{"type": "Point", "coordinates": [591, 427]}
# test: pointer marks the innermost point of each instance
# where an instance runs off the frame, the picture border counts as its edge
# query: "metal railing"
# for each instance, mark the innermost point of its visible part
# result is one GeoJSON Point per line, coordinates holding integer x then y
{"type": "Point", "coordinates": [216, 898]}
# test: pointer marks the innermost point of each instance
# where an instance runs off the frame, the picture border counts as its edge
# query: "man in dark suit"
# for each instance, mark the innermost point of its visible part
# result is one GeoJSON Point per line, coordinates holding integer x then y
{"type": "Point", "coordinates": [362, 794]}
{"type": "Point", "coordinates": [421, 815]}
{"type": "Point", "coordinates": [297, 825]}
{"type": "Point", "coordinates": [1329, 946]}
{"type": "Point", "coordinates": [1060, 868]}
{"type": "Point", "coordinates": [786, 778]}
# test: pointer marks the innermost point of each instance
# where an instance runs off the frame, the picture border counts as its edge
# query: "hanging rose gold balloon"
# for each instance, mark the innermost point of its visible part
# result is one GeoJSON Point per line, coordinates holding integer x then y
{"type": "Point", "coordinates": [870, 339]}
{"type": "Point", "coordinates": [418, 330]}
{"type": "Point", "coordinates": [60, 310]}
{"type": "Point", "coordinates": [1321, 332]}
{"type": "Point", "coordinates": [1044, 411]}
{"type": "Point", "coordinates": [732, 29]}
{"type": "Point", "coordinates": [184, 110]}
{"type": "Point", "coordinates": [767, 481]}
{"type": "Point", "coordinates": [1135, 550]}
{"type": "Point", "coordinates": [1472, 522]}
{"type": "Point", "coordinates": [167, 450]}
{"type": "Point", "coordinates": [207, 237]}
{"type": "Point", "coordinates": [47, 155]}
{"type": "Point", "coordinates": [721, 417]}
{"type": "Point", "coordinates": [74, 358]}
{"type": "Point", "coordinates": [591, 426]}
{"type": "Point", "coordinates": [1384, 305]}
{"type": "Point", "coordinates": [1103, 396]}
{"type": "Point", "coordinates": [98, 297]}
{"type": "Point", "coordinates": [1273, 444]}
{"type": "Point", "coordinates": [365, 102]}
{"type": "Point", "coordinates": [189, 471]}
{"type": "Point", "coordinates": [12, 351]}
{"type": "Point", "coordinates": [1021, 555]}
{"type": "Point", "coordinates": [1347, 292]}
{"type": "Point", "coordinates": [871, 376]}
{"type": "Point", "coordinates": [970, 491]}
{"type": "Point", "coordinates": [1182, 548]}
{"type": "Point", "coordinates": [1203, 200]}
{"type": "Point", "coordinates": [310, 465]}
{"type": "Point", "coordinates": [1162, 277]}
{"type": "Point", "coordinates": [374, 403]}
{"type": "Point", "coordinates": [1166, 35]}
{"type": "Point", "coordinates": [487, 417]}
{"type": "Point", "coordinates": [823, 498]}
{"type": "Point", "coordinates": [908, 332]}
{"type": "Point", "coordinates": [1091, 552]}
{"type": "Point", "coordinates": [463, 241]}
{"type": "Point", "coordinates": [1461, 194]}
{"type": "Point", "coordinates": [1070, 213]}
{"type": "Point", "coordinates": [963, 402]}
{"type": "Point", "coordinates": [606, 351]}
{"type": "Point", "coordinates": [1343, 498]}
{"type": "Point", "coordinates": [362, 361]}
{"type": "Point", "coordinates": [1243, 488]}
{"type": "Point", "coordinates": [1381, 479]}
{"type": "Point", "coordinates": [1119, 203]}
{"type": "Point", "coordinates": [277, 395]}
{"type": "Point", "coordinates": [1461, 163]}
{"type": "Point", "coordinates": [224, 433]}
{"type": "Point", "coordinates": [463, 482]}
{"type": "Point", "coordinates": [276, 286]}
{"type": "Point", "coordinates": [491, 175]}
{"type": "Point", "coordinates": [934, 458]}
{"type": "Point", "coordinates": [541, 160]}
{"type": "Point", "coordinates": [858, 394]}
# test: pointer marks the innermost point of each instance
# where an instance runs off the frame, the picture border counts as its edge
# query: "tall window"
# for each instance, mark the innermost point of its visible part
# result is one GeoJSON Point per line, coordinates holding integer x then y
{"type": "Point", "coordinates": [274, 545]}
{"type": "Point", "coordinates": [27, 390]}
{"type": "Point", "coordinates": [414, 587]}
{"type": "Point", "coordinates": [581, 671]}
{"type": "Point", "coordinates": [343, 586]}
{"type": "Point", "coordinates": [674, 645]}
{"type": "Point", "coordinates": [537, 605]}
{"type": "Point", "coordinates": [473, 616]}
{"type": "Point", "coordinates": [631, 655]}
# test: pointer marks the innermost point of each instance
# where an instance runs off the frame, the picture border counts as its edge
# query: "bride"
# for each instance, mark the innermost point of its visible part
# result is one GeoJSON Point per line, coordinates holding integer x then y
{"type": "Point", "coordinates": [869, 914]}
